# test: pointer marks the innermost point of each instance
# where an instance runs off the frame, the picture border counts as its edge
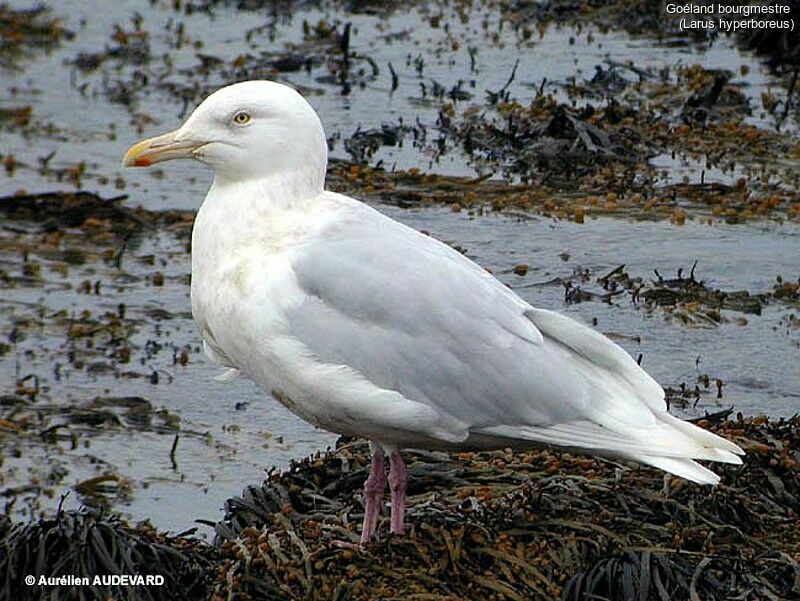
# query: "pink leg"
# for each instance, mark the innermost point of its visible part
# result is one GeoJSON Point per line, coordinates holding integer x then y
{"type": "Point", "coordinates": [397, 483]}
{"type": "Point", "coordinates": [373, 493]}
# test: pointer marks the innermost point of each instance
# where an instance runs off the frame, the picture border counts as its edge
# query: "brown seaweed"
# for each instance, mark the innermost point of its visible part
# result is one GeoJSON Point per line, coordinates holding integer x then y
{"type": "Point", "coordinates": [537, 525]}
{"type": "Point", "coordinates": [88, 543]}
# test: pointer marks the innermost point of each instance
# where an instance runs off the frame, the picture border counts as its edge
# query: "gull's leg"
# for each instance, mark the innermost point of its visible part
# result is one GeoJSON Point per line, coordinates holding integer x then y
{"type": "Point", "coordinates": [373, 492]}
{"type": "Point", "coordinates": [397, 483]}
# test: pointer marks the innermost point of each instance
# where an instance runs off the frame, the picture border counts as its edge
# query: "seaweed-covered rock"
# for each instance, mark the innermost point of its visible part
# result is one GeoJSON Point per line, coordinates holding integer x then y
{"type": "Point", "coordinates": [85, 544]}
{"type": "Point", "coordinates": [498, 525]}
{"type": "Point", "coordinates": [535, 525]}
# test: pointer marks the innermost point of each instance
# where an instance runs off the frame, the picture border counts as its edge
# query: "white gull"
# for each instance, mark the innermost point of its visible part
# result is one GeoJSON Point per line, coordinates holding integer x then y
{"type": "Point", "coordinates": [363, 326]}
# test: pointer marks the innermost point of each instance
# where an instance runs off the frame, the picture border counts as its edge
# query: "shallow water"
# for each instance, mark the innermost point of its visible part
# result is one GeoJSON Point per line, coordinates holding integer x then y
{"type": "Point", "coordinates": [77, 103]}
{"type": "Point", "coordinates": [248, 432]}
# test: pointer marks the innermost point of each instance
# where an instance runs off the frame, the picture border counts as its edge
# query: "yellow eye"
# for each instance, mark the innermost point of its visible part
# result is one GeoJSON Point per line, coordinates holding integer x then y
{"type": "Point", "coordinates": [241, 118]}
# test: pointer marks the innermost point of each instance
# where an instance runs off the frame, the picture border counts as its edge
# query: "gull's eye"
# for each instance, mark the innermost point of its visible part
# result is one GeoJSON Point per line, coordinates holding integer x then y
{"type": "Point", "coordinates": [242, 118]}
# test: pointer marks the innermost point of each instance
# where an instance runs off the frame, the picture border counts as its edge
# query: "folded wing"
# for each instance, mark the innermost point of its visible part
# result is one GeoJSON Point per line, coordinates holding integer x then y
{"type": "Point", "coordinates": [414, 316]}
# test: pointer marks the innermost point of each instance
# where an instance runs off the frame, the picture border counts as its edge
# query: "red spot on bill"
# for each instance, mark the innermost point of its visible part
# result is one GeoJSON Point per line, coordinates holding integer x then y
{"type": "Point", "coordinates": [142, 162]}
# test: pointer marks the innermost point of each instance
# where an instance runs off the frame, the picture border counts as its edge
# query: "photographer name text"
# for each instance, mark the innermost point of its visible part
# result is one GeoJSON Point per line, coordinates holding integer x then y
{"type": "Point", "coordinates": [97, 580]}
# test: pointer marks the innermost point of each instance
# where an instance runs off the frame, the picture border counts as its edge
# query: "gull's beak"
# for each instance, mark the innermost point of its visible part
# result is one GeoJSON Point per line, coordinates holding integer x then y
{"type": "Point", "coordinates": [160, 148]}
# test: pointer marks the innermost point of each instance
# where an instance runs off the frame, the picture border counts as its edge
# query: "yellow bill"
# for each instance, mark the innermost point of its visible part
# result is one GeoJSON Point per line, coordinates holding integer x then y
{"type": "Point", "coordinates": [158, 149]}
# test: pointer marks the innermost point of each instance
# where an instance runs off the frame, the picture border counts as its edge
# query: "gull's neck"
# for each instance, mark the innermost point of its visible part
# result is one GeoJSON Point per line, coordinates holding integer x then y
{"type": "Point", "coordinates": [267, 209]}
{"type": "Point", "coordinates": [269, 193]}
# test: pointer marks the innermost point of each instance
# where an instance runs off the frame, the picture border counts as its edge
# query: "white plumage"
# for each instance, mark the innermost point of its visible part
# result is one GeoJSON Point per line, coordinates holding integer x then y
{"type": "Point", "coordinates": [366, 327]}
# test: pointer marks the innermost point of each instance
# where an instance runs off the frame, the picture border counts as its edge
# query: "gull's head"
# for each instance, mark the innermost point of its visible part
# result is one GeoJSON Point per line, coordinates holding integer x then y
{"type": "Point", "coordinates": [248, 130]}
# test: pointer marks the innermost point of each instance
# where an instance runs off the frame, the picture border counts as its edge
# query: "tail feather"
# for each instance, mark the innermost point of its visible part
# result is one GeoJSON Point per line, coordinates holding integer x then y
{"type": "Point", "coordinates": [705, 437]}
{"type": "Point", "coordinates": [685, 468]}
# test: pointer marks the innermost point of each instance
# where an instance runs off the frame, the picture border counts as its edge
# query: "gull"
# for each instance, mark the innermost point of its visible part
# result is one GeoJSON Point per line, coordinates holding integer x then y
{"type": "Point", "coordinates": [365, 327]}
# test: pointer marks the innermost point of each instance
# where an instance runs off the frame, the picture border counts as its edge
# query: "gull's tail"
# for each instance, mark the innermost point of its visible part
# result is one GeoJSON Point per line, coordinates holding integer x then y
{"type": "Point", "coordinates": [711, 448]}
{"type": "Point", "coordinates": [624, 413]}
{"type": "Point", "coordinates": [669, 443]}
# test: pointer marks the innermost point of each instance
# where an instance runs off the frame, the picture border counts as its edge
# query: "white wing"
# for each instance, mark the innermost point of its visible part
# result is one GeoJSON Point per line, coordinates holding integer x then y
{"type": "Point", "coordinates": [413, 316]}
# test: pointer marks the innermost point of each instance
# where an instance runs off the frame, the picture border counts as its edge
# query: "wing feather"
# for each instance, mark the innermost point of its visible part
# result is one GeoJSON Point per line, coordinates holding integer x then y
{"type": "Point", "coordinates": [411, 314]}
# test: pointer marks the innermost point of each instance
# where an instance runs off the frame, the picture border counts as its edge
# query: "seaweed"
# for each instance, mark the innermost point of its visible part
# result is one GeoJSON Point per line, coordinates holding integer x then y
{"type": "Point", "coordinates": [780, 47]}
{"type": "Point", "coordinates": [643, 575]}
{"type": "Point", "coordinates": [84, 544]}
{"type": "Point", "coordinates": [59, 211]}
{"type": "Point", "coordinates": [24, 29]}
{"type": "Point", "coordinates": [691, 299]}
{"type": "Point", "coordinates": [533, 525]}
